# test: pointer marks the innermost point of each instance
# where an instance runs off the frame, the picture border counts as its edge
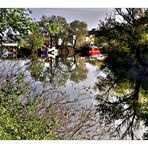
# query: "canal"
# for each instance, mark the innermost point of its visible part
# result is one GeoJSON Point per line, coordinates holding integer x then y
{"type": "Point", "coordinates": [75, 77]}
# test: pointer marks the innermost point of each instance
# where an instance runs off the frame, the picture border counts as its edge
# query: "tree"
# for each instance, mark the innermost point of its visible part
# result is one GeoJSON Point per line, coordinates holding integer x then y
{"type": "Point", "coordinates": [127, 62]}
{"type": "Point", "coordinates": [79, 28]}
{"type": "Point", "coordinates": [64, 31]}
{"type": "Point", "coordinates": [35, 39]}
{"type": "Point", "coordinates": [50, 28]}
{"type": "Point", "coordinates": [14, 23]}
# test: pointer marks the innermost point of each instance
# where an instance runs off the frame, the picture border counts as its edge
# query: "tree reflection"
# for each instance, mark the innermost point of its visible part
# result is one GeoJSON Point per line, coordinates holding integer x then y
{"type": "Point", "coordinates": [124, 90]}
{"type": "Point", "coordinates": [36, 70]}
{"type": "Point", "coordinates": [57, 72]}
{"type": "Point", "coordinates": [122, 102]}
{"type": "Point", "coordinates": [80, 71]}
{"type": "Point", "coordinates": [60, 70]}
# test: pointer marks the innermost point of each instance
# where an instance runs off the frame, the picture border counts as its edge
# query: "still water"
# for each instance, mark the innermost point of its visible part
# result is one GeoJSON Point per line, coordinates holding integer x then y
{"type": "Point", "coordinates": [76, 77]}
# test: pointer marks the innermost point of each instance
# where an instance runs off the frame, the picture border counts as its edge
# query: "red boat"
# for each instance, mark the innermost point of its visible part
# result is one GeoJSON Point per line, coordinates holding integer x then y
{"type": "Point", "coordinates": [94, 51]}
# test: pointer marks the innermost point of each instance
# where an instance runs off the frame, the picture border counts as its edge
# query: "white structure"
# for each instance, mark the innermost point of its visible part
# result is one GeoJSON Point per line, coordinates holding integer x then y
{"type": "Point", "coordinates": [10, 44]}
{"type": "Point", "coordinates": [60, 41]}
{"type": "Point", "coordinates": [52, 52]}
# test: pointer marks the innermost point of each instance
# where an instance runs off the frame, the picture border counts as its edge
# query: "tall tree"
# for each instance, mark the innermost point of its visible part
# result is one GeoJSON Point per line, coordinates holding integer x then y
{"type": "Point", "coordinates": [79, 28]}
{"type": "Point", "coordinates": [50, 27]}
{"type": "Point", "coordinates": [64, 31]}
{"type": "Point", "coordinates": [125, 37]}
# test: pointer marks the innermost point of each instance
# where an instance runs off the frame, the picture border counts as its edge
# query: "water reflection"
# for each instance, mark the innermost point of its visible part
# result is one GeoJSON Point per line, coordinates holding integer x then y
{"type": "Point", "coordinates": [59, 69]}
{"type": "Point", "coordinates": [123, 98]}
{"type": "Point", "coordinates": [123, 115]}
{"type": "Point", "coordinates": [68, 71]}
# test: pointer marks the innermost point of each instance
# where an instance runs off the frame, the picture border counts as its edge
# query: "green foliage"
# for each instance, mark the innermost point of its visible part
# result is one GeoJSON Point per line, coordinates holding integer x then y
{"type": "Point", "coordinates": [126, 43]}
{"type": "Point", "coordinates": [122, 87]}
{"type": "Point", "coordinates": [27, 119]}
{"type": "Point", "coordinates": [50, 27]}
{"type": "Point", "coordinates": [64, 31]}
{"type": "Point", "coordinates": [79, 28]}
{"type": "Point", "coordinates": [15, 22]}
{"type": "Point", "coordinates": [126, 40]}
{"type": "Point", "coordinates": [34, 40]}
{"type": "Point", "coordinates": [143, 96]}
{"type": "Point", "coordinates": [36, 69]}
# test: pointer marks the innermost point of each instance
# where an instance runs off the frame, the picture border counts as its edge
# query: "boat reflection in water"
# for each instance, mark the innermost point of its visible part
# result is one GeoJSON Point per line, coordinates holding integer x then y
{"type": "Point", "coordinates": [68, 65]}
{"type": "Point", "coordinates": [76, 73]}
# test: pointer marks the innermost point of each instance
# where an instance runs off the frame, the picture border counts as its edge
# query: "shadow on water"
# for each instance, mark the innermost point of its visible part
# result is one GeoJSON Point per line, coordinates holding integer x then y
{"type": "Point", "coordinates": [122, 94]}
{"type": "Point", "coordinates": [123, 97]}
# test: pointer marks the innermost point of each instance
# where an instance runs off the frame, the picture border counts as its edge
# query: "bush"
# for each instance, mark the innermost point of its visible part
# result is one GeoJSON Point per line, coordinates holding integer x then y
{"type": "Point", "coordinates": [27, 118]}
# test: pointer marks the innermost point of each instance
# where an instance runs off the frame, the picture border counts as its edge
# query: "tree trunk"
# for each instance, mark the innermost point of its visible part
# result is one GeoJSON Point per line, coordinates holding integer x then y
{"type": "Point", "coordinates": [137, 89]}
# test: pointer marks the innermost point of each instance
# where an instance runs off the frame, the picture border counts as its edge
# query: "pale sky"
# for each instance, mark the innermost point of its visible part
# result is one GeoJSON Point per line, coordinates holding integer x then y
{"type": "Point", "coordinates": [89, 15]}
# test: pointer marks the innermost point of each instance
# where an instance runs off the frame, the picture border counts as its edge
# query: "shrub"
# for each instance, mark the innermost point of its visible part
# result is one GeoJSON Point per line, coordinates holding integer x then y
{"type": "Point", "coordinates": [27, 118]}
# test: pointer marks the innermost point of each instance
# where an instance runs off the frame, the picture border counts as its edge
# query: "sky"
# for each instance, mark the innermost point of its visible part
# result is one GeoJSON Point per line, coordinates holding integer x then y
{"type": "Point", "coordinates": [89, 15]}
